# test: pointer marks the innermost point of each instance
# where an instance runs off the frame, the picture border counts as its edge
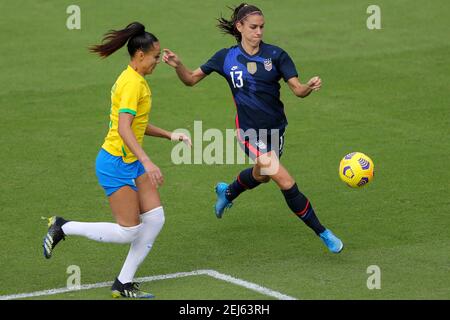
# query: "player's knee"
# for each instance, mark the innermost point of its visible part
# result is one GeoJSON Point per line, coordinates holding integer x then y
{"type": "Point", "coordinates": [284, 182]}
{"type": "Point", "coordinates": [154, 218]}
{"type": "Point", "coordinates": [159, 218]}
{"type": "Point", "coordinates": [287, 183]}
{"type": "Point", "coordinates": [129, 234]}
{"type": "Point", "coordinates": [263, 179]}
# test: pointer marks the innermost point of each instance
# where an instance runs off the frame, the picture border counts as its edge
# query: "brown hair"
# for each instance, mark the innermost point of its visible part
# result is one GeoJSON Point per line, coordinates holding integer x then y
{"type": "Point", "coordinates": [240, 13]}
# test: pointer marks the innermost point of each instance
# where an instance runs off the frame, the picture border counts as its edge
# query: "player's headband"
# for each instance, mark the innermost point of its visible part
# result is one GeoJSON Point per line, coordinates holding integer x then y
{"type": "Point", "coordinates": [244, 12]}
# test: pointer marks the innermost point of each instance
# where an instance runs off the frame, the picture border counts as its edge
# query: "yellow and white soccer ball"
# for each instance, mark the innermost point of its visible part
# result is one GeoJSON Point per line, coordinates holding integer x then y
{"type": "Point", "coordinates": [356, 169]}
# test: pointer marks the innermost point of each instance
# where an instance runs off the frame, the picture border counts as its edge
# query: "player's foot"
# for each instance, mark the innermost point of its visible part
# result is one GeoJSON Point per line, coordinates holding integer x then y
{"type": "Point", "coordinates": [333, 243]}
{"type": "Point", "coordinates": [129, 290]}
{"type": "Point", "coordinates": [222, 202]}
{"type": "Point", "coordinates": [54, 235]}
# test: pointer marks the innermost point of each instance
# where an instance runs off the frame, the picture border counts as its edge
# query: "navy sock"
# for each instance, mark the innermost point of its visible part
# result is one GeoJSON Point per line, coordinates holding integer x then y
{"type": "Point", "coordinates": [244, 181]}
{"type": "Point", "coordinates": [301, 206]}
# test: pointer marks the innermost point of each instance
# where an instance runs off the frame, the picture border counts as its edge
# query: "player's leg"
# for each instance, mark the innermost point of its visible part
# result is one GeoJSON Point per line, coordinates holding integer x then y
{"type": "Point", "coordinates": [262, 178]}
{"type": "Point", "coordinates": [247, 179]}
{"type": "Point", "coordinates": [298, 203]}
{"type": "Point", "coordinates": [152, 218]}
{"type": "Point", "coordinates": [124, 204]}
{"type": "Point", "coordinates": [125, 208]}
{"type": "Point", "coordinates": [116, 177]}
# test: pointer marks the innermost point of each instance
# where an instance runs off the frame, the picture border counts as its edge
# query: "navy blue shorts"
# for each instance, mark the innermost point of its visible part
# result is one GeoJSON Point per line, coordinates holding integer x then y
{"type": "Point", "coordinates": [255, 145]}
{"type": "Point", "coordinates": [113, 173]}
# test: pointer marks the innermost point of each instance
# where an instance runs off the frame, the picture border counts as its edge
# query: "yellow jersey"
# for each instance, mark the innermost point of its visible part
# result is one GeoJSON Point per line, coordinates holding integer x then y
{"type": "Point", "coordinates": [130, 94]}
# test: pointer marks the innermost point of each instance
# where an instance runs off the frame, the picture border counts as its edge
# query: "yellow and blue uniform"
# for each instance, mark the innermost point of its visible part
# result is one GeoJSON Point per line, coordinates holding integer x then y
{"type": "Point", "coordinates": [116, 165]}
{"type": "Point", "coordinates": [130, 94]}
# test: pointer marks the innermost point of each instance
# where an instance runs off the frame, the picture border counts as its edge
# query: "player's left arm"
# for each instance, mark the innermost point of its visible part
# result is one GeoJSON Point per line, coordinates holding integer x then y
{"type": "Point", "coordinates": [155, 131]}
{"type": "Point", "coordinates": [304, 90]}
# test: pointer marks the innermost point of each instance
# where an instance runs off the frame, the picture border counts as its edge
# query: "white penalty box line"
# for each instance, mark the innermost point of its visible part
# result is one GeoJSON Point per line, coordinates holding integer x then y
{"type": "Point", "coordinates": [212, 273]}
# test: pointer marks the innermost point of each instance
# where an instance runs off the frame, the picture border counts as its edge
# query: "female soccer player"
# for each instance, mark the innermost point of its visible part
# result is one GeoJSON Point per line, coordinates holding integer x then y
{"type": "Point", "coordinates": [128, 176]}
{"type": "Point", "coordinates": [253, 69]}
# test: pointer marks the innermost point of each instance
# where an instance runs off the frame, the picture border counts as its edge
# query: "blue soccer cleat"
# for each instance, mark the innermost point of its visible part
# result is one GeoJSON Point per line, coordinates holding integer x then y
{"type": "Point", "coordinates": [333, 243]}
{"type": "Point", "coordinates": [222, 202]}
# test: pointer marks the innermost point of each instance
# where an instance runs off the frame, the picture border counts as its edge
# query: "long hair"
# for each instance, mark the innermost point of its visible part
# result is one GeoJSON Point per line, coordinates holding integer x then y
{"type": "Point", "coordinates": [134, 34]}
{"type": "Point", "coordinates": [240, 13]}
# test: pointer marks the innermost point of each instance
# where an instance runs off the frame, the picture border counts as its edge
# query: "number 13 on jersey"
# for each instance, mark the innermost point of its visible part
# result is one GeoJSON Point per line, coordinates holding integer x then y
{"type": "Point", "coordinates": [236, 78]}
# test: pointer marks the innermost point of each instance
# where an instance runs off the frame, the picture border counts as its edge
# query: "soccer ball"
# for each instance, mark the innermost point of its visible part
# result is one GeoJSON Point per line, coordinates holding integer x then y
{"type": "Point", "coordinates": [356, 169]}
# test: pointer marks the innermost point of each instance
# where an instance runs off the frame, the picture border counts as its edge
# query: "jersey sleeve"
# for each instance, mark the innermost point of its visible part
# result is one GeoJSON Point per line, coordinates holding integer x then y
{"type": "Point", "coordinates": [215, 63]}
{"type": "Point", "coordinates": [287, 66]}
{"type": "Point", "coordinates": [129, 98]}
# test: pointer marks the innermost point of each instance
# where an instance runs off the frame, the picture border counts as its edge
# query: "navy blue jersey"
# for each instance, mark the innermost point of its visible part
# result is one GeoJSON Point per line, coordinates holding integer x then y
{"type": "Point", "coordinates": [254, 82]}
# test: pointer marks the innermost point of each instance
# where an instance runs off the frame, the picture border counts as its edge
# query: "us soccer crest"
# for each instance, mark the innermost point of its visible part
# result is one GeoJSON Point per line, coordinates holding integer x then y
{"type": "Point", "coordinates": [268, 64]}
{"type": "Point", "coordinates": [251, 67]}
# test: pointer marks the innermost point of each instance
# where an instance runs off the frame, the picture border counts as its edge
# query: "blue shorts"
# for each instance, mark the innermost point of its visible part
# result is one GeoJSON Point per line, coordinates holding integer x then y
{"type": "Point", "coordinates": [255, 145]}
{"type": "Point", "coordinates": [113, 173]}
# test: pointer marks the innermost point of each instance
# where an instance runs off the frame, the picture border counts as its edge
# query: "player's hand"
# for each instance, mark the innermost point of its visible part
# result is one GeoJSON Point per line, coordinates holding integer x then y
{"type": "Point", "coordinates": [171, 58]}
{"type": "Point", "coordinates": [315, 83]}
{"type": "Point", "coordinates": [153, 172]}
{"type": "Point", "coordinates": [176, 136]}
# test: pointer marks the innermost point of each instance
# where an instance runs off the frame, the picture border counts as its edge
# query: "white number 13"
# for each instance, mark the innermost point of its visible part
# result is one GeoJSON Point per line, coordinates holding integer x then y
{"type": "Point", "coordinates": [238, 82]}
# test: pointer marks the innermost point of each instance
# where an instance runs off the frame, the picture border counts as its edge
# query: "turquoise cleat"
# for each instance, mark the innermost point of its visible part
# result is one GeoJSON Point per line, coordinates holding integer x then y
{"type": "Point", "coordinates": [333, 243]}
{"type": "Point", "coordinates": [222, 202]}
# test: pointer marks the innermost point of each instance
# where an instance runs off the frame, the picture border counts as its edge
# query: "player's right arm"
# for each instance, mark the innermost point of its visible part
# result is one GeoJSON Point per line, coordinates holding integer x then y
{"type": "Point", "coordinates": [128, 137]}
{"type": "Point", "coordinates": [188, 77]}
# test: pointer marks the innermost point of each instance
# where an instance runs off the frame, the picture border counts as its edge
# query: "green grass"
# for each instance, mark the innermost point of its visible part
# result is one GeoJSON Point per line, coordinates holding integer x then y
{"type": "Point", "coordinates": [385, 93]}
{"type": "Point", "coordinates": [202, 287]}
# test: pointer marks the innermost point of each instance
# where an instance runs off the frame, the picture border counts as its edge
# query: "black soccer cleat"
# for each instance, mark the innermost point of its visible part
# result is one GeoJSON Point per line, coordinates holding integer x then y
{"type": "Point", "coordinates": [129, 290]}
{"type": "Point", "coordinates": [54, 235]}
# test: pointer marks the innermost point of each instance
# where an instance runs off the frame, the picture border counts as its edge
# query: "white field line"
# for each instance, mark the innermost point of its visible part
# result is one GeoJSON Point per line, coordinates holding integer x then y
{"type": "Point", "coordinates": [248, 285]}
{"type": "Point", "coordinates": [211, 273]}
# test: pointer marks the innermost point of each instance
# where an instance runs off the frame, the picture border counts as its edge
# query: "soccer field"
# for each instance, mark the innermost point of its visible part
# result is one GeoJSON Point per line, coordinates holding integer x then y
{"type": "Point", "coordinates": [385, 93]}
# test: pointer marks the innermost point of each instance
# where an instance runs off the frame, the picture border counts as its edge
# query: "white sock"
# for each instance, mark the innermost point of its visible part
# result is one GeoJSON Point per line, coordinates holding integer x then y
{"type": "Point", "coordinates": [102, 231]}
{"type": "Point", "coordinates": [152, 223]}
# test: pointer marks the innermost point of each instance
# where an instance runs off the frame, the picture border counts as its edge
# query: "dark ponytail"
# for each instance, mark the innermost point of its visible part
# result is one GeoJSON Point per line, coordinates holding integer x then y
{"type": "Point", "coordinates": [240, 13]}
{"type": "Point", "coordinates": [134, 34]}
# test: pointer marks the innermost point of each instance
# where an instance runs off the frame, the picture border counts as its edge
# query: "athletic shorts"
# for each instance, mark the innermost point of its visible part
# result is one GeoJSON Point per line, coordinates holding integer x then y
{"type": "Point", "coordinates": [261, 142]}
{"type": "Point", "coordinates": [113, 173]}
